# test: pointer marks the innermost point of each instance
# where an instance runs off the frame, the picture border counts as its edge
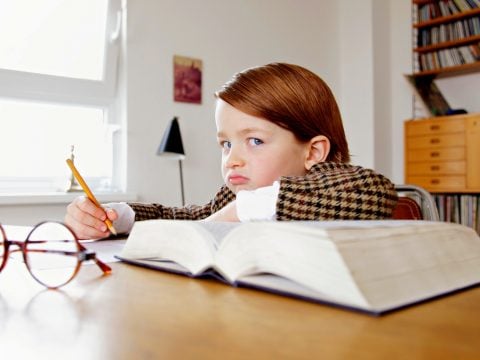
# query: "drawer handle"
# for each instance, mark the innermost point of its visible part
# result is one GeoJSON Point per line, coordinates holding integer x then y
{"type": "Point", "coordinates": [434, 141]}
{"type": "Point", "coordinates": [434, 154]}
{"type": "Point", "coordinates": [434, 127]}
{"type": "Point", "coordinates": [434, 181]}
{"type": "Point", "coordinates": [434, 167]}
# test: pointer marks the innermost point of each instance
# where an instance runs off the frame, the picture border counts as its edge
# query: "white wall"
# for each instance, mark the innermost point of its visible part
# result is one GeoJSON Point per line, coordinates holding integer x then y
{"type": "Point", "coordinates": [228, 36]}
{"type": "Point", "coordinates": [462, 92]}
{"type": "Point", "coordinates": [400, 95]}
{"type": "Point", "coordinates": [382, 103]}
{"type": "Point", "coordinates": [356, 78]}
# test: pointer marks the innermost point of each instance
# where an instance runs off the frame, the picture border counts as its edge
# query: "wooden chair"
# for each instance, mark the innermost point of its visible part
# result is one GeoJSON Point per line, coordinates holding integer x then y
{"type": "Point", "coordinates": [414, 203]}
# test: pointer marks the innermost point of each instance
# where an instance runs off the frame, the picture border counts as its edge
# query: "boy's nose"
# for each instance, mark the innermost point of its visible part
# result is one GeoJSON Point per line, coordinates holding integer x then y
{"type": "Point", "coordinates": [234, 158]}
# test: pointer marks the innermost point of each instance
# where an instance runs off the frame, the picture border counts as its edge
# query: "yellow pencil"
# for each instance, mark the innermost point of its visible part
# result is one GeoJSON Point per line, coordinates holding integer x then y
{"type": "Point", "coordinates": [89, 193]}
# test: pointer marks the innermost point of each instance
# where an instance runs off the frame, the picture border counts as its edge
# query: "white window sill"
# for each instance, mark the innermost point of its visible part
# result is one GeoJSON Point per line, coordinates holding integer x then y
{"type": "Point", "coordinates": [61, 198]}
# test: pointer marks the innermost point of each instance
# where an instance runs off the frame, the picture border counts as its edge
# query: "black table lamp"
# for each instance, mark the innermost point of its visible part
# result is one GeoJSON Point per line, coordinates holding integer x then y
{"type": "Point", "coordinates": [172, 145]}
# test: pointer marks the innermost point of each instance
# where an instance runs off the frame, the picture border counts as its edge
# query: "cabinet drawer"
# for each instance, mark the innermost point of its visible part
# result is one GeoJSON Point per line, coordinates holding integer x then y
{"type": "Point", "coordinates": [438, 183]}
{"type": "Point", "coordinates": [440, 154]}
{"type": "Point", "coordinates": [473, 152]}
{"type": "Point", "coordinates": [433, 141]}
{"type": "Point", "coordinates": [437, 168]}
{"type": "Point", "coordinates": [431, 127]}
{"type": "Point", "coordinates": [473, 124]}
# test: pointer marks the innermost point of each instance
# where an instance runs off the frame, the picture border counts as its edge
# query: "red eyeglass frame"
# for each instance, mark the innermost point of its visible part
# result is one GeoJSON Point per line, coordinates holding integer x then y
{"type": "Point", "coordinates": [82, 254]}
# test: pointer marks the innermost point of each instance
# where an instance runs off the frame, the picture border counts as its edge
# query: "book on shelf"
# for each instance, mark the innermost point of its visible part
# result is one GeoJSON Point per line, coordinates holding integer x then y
{"type": "Point", "coordinates": [455, 31]}
{"type": "Point", "coordinates": [443, 8]}
{"type": "Point", "coordinates": [446, 58]}
{"type": "Point", "coordinates": [459, 208]}
{"type": "Point", "coordinates": [370, 266]}
{"type": "Point", "coordinates": [430, 95]}
{"type": "Point", "coordinates": [435, 9]}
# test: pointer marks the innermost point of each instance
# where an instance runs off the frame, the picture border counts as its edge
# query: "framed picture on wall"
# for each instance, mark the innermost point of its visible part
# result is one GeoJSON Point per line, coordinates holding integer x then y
{"type": "Point", "coordinates": [187, 75]}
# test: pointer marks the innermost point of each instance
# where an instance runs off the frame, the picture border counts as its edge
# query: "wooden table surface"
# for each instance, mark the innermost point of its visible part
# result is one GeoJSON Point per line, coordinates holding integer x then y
{"type": "Point", "coordinates": [137, 313]}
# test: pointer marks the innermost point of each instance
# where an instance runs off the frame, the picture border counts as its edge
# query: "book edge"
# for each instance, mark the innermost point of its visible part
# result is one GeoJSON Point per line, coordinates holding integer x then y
{"type": "Point", "coordinates": [212, 274]}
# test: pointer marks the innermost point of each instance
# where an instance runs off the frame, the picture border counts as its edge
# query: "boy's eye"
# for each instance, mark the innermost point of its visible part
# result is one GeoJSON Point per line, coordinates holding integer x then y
{"type": "Point", "coordinates": [226, 144]}
{"type": "Point", "coordinates": [255, 141]}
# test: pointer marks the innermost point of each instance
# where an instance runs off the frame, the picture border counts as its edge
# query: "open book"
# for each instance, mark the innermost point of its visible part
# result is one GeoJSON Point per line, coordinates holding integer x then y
{"type": "Point", "coordinates": [373, 266]}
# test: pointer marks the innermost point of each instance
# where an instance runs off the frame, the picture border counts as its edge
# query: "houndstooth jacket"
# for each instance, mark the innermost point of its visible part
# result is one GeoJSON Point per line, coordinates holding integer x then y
{"type": "Point", "coordinates": [329, 191]}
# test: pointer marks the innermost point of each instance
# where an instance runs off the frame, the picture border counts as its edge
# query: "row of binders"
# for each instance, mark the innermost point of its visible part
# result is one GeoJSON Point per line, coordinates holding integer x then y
{"type": "Point", "coordinates": [461, 209]}
{"type": "Point", "coordinates": [443, 8]}
{"type": "Point", "coordinates": [449, 32]}
{"type": "Point", "coordinates": [445, 58]}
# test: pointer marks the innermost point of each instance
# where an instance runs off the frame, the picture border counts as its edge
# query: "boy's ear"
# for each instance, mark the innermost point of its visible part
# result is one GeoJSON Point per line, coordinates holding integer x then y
{"type": "Point", "coordinates": [318, 149]}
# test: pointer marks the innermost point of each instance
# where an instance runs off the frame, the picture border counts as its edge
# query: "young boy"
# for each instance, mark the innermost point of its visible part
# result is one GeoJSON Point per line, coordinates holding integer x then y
{"type": "Point", "coordinates": [284, 157]}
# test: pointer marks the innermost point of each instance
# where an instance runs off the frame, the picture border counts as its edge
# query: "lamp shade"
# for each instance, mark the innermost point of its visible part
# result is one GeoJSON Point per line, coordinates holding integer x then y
{"type": "Point", "coordinates": [172, 141]}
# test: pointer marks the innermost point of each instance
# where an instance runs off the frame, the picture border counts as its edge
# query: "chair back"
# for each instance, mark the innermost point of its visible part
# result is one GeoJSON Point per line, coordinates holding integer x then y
{"type": "Point", "coordinates": [414, 203]}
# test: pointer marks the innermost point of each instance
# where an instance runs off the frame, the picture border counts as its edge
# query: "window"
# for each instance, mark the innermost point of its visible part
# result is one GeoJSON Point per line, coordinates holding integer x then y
{"type": "Point", "coordinates": [58, 63]}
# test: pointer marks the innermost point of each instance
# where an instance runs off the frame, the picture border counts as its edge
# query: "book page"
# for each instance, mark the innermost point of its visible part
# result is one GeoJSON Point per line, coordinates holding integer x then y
{"type": "Point", "coordinates": [188, 243]}
{"type": "Point", "coordinates": [375, 265]}
{"type": "Point", "coordinates": [299, 251]}
{"type": "Point", "coordinates": [283, 286]}
{"type": "Point", "coordinates": [311, 253]}
{"type": "Point", "coordinates": [416, 262]}
{"type": "Point", "coordinates": [361, 224]}
{"type": "Point", "coordinates": [191, 244]}
{"type": "Point", "coordinates": [218, 230]}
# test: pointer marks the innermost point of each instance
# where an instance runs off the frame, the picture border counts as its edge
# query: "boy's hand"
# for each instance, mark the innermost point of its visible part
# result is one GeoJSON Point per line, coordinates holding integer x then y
{"type": "Point", "coordinates": [87, 220]}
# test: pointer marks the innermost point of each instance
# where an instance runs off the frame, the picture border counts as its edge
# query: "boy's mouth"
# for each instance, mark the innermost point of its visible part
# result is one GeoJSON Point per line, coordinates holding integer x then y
{"type": "Point", "coordinates": [237, 179]}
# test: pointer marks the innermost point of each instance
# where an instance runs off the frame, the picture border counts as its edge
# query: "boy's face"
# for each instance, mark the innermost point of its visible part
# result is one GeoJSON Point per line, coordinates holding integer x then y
{"type": "Point", "coordinates": [256, 152]}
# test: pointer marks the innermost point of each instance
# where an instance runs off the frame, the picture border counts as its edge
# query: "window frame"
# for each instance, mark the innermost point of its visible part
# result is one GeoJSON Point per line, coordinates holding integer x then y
{"type": "Point", "coordinates": [27, 86]}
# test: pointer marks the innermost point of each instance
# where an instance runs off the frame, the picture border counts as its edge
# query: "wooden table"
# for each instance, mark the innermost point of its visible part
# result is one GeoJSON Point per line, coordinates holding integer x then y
{"type": "Point", "coordinates": [137, 313]}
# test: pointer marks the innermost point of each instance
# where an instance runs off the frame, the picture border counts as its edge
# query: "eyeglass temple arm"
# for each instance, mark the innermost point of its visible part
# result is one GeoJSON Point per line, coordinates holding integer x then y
{"type": "Point", "coordinates": [89, 255]}
{"type": "Point", "coordinates": [92, 256]}
{"type": "Point", "coordinates": [104, 267]}
{"type": "Point", "coordinates": [86, 255]}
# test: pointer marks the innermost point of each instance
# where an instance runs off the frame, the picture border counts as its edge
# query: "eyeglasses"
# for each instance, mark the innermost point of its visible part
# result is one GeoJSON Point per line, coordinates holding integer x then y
{"type": "Point", "coordinates": [50, 243]}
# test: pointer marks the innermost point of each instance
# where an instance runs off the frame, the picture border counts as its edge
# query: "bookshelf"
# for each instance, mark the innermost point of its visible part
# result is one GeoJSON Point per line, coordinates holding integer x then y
{"type": "Point", "coordinates": [446, 37]}
{"type": "Point", "coordinates": [441, 151]}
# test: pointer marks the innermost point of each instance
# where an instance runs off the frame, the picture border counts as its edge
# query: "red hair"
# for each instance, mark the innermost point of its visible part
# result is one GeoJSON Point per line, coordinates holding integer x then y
{"type": "Point", "coordinates": [291, 97]}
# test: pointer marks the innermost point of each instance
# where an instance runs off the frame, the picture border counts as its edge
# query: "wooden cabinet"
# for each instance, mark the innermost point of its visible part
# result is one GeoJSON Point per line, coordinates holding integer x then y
{"type": "Point", "coordinates": [442, 154]}
{"type": "Point", "coordinates": [446, 37]}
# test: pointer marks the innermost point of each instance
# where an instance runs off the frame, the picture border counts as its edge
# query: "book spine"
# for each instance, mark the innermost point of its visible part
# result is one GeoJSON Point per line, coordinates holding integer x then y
{"type": "Point", "coordinates": [462, 209]}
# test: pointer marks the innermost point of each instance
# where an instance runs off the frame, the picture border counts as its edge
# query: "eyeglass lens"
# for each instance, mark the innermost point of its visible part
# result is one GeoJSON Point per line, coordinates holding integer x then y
{"type": "Point", "coordinates": [51, 246]}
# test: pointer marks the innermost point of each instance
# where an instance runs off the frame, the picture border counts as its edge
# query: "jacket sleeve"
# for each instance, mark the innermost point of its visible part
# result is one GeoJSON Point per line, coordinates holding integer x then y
{"type": "Point", "coordinates": [147, 211]}
{"type": "Point", "coordinates": [334, 191]}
